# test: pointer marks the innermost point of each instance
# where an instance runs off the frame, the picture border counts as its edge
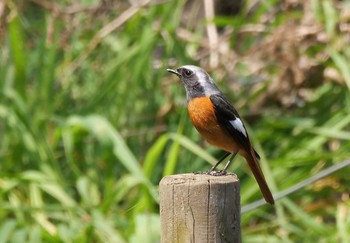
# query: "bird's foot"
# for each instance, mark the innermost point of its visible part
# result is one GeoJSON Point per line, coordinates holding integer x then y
{"type": "Point", "coordinates": [211, 172]}
{"type": "Point", "coordinates": [217, 173]}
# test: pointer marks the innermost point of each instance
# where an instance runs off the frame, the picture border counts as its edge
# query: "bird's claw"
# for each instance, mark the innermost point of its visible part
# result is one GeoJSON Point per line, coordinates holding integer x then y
{"type": "Point", "coordinates": [217, 173]}
{"type": "Point", "coordinates": [211, 172]}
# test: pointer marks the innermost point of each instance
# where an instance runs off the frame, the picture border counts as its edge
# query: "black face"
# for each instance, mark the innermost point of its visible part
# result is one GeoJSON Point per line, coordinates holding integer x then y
{"type": "Point", "coordinates": [197, 82]}
{"type": "Point", "coordinates": [188, 76]}
{"type": "Point", "coordinates": [182, 72]}
{"type": "Point", "coordinates": [186, 73]}
{"type": "Point", "coordinates": [191, 82]}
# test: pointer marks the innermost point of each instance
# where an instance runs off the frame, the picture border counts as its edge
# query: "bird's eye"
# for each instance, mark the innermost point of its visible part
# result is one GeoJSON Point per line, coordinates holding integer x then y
{"type": "Point", "coordinates": [188, 73]}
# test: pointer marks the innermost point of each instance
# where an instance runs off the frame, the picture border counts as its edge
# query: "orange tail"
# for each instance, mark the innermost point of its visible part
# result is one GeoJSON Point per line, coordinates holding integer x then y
{"type": "Point", "coordinates": [259, 176]}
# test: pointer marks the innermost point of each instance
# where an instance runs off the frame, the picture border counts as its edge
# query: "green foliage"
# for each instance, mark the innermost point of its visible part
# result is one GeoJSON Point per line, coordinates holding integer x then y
{"type": "Point", "coordinates": [90, 122]}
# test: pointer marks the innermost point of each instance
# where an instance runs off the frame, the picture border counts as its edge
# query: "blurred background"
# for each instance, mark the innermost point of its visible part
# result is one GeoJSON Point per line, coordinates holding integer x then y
{"type": "Point", "coordinates": [90, 121]}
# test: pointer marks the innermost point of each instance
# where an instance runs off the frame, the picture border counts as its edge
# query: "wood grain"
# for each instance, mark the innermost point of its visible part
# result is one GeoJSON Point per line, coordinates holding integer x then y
{"type": "Point", "coordinates": [200, 208]}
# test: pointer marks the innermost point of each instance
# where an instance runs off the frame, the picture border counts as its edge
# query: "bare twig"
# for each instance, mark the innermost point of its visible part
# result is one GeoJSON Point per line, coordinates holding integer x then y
{"type": "Point", "coordinates": [105, 31]}
{"type": "Point", "coordinates": [212, 33]}
{"type": "Point", "coordinates": [52, 6]}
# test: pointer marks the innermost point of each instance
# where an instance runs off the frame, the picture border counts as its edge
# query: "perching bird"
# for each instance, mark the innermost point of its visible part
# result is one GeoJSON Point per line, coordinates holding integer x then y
{"type": "Point", "coordinates": [218, 122]}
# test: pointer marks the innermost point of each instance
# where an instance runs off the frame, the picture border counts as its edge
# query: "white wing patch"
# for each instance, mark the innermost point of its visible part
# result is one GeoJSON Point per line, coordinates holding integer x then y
{"type": "Point", "coordinates": [238, 125]}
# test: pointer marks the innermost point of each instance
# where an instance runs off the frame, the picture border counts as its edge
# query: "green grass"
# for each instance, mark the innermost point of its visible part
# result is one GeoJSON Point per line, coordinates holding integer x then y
{"type": "Point", "coordinates": [90, 124]}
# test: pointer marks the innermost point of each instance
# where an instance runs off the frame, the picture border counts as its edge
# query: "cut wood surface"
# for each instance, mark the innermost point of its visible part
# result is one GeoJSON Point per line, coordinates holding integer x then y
{"type": "Point", "coordinates": [200, 208]}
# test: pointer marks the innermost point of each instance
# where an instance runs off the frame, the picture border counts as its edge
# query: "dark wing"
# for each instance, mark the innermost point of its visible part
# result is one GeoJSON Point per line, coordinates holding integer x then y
{"type": "Point", "coordinates": [230, 121]}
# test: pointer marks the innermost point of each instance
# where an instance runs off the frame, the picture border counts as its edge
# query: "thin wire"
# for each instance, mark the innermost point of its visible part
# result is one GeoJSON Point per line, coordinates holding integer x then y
{"type": "Point", "coordinates": [297, 187]}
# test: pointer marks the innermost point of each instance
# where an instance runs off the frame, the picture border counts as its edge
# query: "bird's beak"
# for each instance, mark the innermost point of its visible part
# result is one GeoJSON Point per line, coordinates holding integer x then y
{"type": "Point", "coordinates": [174, 72]}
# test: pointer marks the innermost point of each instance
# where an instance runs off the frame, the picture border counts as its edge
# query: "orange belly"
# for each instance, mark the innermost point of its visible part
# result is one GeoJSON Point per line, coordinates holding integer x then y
{"type": "Point", "coordinates": [202, 114]}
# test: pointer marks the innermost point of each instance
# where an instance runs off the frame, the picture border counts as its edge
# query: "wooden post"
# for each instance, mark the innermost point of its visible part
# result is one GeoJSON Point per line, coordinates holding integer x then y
{"type": "Point", "coordinates": [200, 208]}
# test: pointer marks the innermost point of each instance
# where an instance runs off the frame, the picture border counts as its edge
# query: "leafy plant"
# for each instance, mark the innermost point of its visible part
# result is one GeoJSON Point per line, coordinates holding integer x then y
{"type": "Point", "coordinates": [90, 120]}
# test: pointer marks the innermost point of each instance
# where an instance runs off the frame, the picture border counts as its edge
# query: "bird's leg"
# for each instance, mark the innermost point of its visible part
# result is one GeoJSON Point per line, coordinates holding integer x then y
{"type": "Point", "coordinates": [214, 167]}
{"type": "Point", "coordinates": [219, 162]}
{"type": "Point", "coordinates": [222, 172]}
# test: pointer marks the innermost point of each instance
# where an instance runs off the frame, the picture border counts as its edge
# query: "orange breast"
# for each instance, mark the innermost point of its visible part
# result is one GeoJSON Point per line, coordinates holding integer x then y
{"type": "Point", "coordinates": [202, 114]}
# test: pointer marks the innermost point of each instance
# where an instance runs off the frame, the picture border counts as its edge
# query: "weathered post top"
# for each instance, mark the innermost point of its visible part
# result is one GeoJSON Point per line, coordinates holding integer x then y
{"type": "Point", "coordinates": [200, 208]}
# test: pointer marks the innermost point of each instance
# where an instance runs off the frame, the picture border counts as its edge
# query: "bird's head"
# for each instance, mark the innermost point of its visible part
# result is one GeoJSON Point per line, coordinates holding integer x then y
{"type": "Point", "coordinates": [197, 82]}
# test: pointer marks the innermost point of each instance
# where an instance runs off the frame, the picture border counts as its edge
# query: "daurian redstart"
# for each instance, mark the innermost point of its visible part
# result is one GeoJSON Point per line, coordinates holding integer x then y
{"type": "Point", "coordinates": [218, 122]}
